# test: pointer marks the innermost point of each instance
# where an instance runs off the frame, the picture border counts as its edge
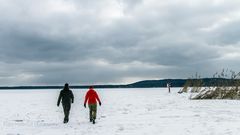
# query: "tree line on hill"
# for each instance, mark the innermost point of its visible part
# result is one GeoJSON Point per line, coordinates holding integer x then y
{"type": "Point", "coordinates": [204, 82]}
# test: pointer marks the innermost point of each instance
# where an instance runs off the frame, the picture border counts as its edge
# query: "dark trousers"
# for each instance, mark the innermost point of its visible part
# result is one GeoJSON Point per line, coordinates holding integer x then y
{"type": "Point", "coordinates": [66, 109]}
{"type": "Point", "coordinates": [92, 111]}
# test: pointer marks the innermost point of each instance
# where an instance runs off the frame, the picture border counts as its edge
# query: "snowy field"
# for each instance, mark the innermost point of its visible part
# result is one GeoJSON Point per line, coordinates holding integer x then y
{"type": "Point", "coordinates": [123, 112]}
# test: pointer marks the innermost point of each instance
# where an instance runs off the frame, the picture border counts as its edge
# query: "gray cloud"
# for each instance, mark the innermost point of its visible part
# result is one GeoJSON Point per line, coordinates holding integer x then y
{"type": "Point", "coordinates": [115, 41]}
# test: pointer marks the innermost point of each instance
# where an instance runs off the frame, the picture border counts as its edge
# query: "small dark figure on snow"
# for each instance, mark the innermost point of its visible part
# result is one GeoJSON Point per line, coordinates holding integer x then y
{"type": "Point", "coordinates": [169, 87]}
{"type": "Point", "coordinates": [66, 96]}
{"type": "Point", "coordinates": [92, 98]}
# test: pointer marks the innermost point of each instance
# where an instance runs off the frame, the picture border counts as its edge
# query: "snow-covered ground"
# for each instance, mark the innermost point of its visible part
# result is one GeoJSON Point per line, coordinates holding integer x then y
{"type": "Point", "coordinates": [123, 112]}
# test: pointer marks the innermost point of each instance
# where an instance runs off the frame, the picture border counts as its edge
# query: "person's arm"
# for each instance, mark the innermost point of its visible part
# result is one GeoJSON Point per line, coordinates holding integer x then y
{"type": "Point", "coordinates": [59, 99]}
{"type": "Point", "coordinates": [100, 103]}
{"type": "Point", "coordinates": [72, 96]}
{"type": "Point", "coordinates": [86, 99]}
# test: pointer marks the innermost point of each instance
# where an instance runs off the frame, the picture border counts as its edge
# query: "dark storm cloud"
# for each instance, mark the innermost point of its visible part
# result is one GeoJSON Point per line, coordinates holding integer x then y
{"type": "Point", "coordinates": [92, 42]}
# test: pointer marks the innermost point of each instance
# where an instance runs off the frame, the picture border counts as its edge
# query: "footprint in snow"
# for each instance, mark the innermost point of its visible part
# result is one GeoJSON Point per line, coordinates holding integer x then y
{"type": "Point", "coordinates": [18, 120]}
{"type": "Point", "coordinates": [103, 116]}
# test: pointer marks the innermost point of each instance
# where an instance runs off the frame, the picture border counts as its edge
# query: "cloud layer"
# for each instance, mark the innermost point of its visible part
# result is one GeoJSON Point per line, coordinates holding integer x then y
{"type": "Point", "coordinates": [51, 42]}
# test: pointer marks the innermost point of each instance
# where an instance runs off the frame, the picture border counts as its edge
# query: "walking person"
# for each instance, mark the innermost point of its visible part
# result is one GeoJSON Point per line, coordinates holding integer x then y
{"type": "Point", "coordinates": [169, 86]}
{"type": "Point", "coordinates": [92, 97]}
{"type": "Point", "coordinates": [66, 96]}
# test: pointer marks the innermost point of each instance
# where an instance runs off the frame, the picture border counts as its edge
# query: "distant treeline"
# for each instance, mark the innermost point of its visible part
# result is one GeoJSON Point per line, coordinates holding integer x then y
{"type": "Point", "coordinates": [60, 87]}
{"type": "Point", "coordinates": [206, 82]}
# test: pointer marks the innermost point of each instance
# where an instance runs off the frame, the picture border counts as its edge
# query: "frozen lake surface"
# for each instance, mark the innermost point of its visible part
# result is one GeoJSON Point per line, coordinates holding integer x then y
{"type": "Point", "coordinates": [123, 112]}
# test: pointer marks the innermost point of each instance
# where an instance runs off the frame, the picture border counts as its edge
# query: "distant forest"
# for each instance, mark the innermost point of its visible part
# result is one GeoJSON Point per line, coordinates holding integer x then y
{"type": "Point", "coordinates": [140, 84]}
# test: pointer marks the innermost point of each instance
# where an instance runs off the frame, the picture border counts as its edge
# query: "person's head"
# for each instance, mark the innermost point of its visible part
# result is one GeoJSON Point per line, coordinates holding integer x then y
{"type": "Point", "coordinates": [66, 86]}
{"type": "Point", "coordinates": [91, 87]}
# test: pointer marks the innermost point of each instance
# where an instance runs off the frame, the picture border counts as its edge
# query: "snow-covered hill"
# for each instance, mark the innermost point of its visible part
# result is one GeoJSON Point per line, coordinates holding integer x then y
{"type": "Point", "coordinates": [124, 112]}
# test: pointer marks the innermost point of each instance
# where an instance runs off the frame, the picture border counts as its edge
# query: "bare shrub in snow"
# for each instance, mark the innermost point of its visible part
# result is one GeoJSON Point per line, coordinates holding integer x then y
{"type": "Point", "coordinates": [192, 85]}
{"type": "Point", "coordinates": [223, 89]}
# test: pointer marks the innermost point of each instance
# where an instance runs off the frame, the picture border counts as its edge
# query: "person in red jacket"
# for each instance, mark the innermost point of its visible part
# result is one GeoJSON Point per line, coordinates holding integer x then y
{"type": "Point", "coordinates": [92, 98]}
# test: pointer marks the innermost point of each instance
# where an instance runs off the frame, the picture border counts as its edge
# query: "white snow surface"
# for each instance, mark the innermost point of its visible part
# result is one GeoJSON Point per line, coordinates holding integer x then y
{"type": "Point", "coordinates": [123, 112]}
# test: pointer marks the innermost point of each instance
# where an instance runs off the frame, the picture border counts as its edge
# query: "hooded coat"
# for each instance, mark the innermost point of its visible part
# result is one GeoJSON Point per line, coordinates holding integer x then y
{"type": "Point", "coordinates": [66, 96]}
{"type": "Point", "coordinates": [91, 97]}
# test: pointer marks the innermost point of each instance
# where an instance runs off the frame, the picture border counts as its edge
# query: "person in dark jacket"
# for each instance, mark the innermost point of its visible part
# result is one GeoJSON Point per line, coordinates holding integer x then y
{"type": "Point", "coordinates": [169, 87]}
{"type": "Point", "coordinates": [66, 96]}
{"type": "Point", "coordinates": [92, 98]}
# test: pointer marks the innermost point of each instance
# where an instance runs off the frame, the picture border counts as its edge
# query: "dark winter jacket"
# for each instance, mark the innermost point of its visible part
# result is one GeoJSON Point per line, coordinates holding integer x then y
{"type": "Point", "coordinates": [66, 96]}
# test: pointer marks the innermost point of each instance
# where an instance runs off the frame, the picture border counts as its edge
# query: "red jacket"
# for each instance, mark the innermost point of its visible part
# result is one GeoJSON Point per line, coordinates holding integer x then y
{"type": "Point", "coordinates": [91, 97]}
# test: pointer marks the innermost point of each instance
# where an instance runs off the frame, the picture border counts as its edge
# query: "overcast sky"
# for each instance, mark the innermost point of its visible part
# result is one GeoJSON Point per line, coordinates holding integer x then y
{"type": "Point", "coordinates": [50, 42]}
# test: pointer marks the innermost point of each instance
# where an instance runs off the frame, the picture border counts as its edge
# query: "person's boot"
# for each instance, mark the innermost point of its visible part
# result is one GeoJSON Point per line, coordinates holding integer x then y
{"type": "Point", "coordinates": [65, 120]}
{"type": "Point", "coordinates": [93, 121]}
